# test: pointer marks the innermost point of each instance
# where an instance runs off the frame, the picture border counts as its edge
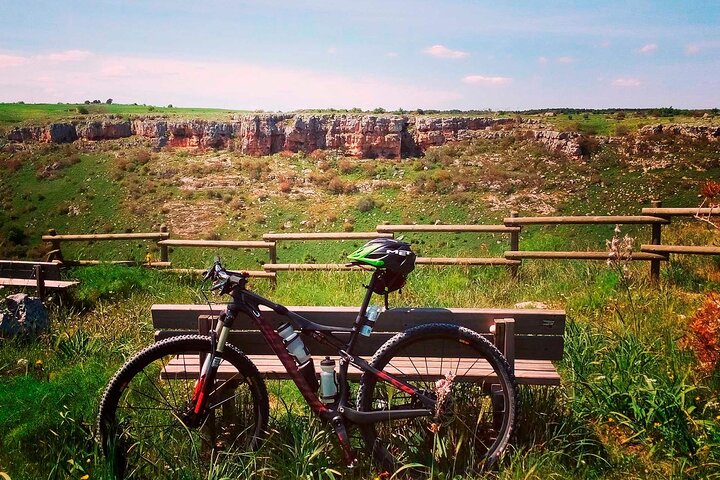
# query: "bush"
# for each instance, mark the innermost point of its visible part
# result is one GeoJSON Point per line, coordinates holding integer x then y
{"type": "Point", "coordinates": [366, 204]}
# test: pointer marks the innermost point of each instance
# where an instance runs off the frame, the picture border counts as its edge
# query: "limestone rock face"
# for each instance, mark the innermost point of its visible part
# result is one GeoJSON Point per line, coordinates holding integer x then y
{"type": "Point", "coordinates": [107, 130]}
{"type": "Point", "coordinates": [710, 132]}
{"type": "Point", "coordinates": [363, 136]}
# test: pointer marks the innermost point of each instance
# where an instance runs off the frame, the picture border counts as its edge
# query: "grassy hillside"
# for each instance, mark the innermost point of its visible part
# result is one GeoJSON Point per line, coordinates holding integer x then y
{"type": "Point", "coordinates": [639, 395]}
{"type": "Point", "coordinates": [14, 114]}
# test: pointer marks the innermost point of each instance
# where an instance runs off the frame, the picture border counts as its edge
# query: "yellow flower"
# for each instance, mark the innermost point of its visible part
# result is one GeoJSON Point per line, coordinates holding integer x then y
{"type": "Point", "coordinates": [610, 419]}
{"type": "Point", "coordinates": [85, 477]}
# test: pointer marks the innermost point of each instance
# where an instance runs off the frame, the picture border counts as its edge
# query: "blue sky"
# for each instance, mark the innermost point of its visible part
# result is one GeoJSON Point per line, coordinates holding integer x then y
{"type": "Point", "coordinates": [286, 55]}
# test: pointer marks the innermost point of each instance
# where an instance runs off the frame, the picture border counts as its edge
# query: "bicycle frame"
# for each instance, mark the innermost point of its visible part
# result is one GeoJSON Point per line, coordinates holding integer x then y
{"type": "Point", "coordinates": [247, 302]}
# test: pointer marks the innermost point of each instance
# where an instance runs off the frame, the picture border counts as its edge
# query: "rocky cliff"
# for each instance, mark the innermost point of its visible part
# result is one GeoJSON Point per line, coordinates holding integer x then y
{"type": "Point", "coordinates": [365, 136]}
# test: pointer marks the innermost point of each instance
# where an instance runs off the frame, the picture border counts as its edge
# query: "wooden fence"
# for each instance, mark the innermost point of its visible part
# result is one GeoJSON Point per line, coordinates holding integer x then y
{"type": "Point", "coordinates": [655, 252]}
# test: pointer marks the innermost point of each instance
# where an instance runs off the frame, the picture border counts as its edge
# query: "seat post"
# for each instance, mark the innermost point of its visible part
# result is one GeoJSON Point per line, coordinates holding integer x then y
{"type": "Point", "coordinates": [363, 309]}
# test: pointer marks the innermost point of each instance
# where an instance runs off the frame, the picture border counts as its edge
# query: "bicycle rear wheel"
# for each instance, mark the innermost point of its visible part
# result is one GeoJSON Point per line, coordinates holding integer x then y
{"type": "Point", "coordinates": [145, 412]}
{"type": "Point", "coordinates": [475, 396]}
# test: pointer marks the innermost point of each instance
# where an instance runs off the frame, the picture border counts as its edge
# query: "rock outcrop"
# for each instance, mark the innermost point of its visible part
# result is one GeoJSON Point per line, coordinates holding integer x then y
{"type": "Point", "coordinates": [709, 132]}
{"type": "Point", "coordinates": [24, 316]}
{"type": "Point", "coordinates": [365, 136]}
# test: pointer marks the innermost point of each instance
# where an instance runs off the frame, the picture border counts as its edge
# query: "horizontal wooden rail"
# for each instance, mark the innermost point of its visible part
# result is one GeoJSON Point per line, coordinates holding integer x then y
{"type": "Point", "coordinates": [536, 254]}
{"type": "Point", "coordinates": [106, 236]}
{"type": "Point", "coordinates": [307, 267]}
{"type": "Point", "coordinates": [465, 261]}
{"type": "Point", "coordinates": [130, 263]}
{"type": "Point", "coordinates": [686, 249]}
{"type": "Point", "coordinates": [684, 211]}
{"type": "Point", "coordinates": [577, 220]}
{"type": "Point", "coordinates": [325, 236]}
{"type": "Point", "coordinates": [447, 228]}
{"type": "Point", "coordinates": [216, 243]}
{"type": "Point", "coordinates": [200, 271]}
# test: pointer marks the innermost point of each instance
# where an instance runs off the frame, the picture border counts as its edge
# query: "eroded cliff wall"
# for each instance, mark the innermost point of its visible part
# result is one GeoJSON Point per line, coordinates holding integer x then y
{"type": "Point", "coordinates": [365, 136]}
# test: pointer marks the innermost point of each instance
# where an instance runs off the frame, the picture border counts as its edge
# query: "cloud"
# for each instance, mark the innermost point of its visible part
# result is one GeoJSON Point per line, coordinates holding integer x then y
{"type": "Point", "coordinates": [66, 56]}
{"type": "Point", "coordinates": [486, 80]}
{"type": "Point", "coordinates": [332, 50]}
{"type": "Point", "coordinates": [647, 49]}
{"type": "Point", "coordinates": [542, 60]}
{"type": "Point", "coordinates": [441, 51]}
{"type": "Point", "coordinates": [565, 59]}
{"type": "Point", "coordinates": [391, 54]}
{"type": "Point", "coordinates": [626, 82]}
{"type": "Point", "coordinates": [7, 61]}
{"type": "Point", "coordinates": [698, 47]}
{"type": "Point", "coordinates": [160, 81]}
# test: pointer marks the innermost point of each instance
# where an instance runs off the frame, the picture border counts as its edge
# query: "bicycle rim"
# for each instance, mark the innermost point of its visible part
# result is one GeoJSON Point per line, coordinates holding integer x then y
{"type": "Point", "coordinates": [475, 402]}
{"type": "Point", "coordinates": [145, 412]}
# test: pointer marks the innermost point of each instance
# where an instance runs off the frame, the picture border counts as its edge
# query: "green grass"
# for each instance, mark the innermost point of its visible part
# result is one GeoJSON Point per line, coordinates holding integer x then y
{"type": "Point", "coordinates": [631, 403]}
{"type": "Point", "coordinates": [14, 114]}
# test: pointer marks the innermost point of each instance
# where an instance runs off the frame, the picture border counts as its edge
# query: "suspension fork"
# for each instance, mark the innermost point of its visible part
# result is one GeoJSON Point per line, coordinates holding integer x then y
{"type": "Point", "coordinates": [208, 372]}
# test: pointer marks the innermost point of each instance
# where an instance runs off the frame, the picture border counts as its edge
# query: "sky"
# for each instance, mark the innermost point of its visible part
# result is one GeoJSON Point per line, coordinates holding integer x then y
{"type": "Point", "coordinates": [286, 55]}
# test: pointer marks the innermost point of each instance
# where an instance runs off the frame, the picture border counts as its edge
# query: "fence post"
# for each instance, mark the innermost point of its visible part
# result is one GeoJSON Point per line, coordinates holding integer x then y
{"type": "Point", "coordinates": [655, 240]}
{"type": "Point", "coordinates": [514, 244]}
{"type": "Point", "coordinates": [55, 253]}
{"type": "Point", "coordinates": [164, 255]}
{"type": "Point", "coordinates": [272, 255]}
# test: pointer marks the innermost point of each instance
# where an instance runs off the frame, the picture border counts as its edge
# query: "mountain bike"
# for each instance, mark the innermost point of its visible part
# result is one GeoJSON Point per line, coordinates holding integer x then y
{"type": "Point", "coordinates": [164, 416]}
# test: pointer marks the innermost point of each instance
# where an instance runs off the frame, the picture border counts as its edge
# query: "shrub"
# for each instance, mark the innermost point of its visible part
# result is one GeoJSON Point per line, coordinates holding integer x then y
{"type": "Point", "coordinates": [621, 130]}
{"type": "Point", "coordinates": [703, 336]}
{"type": "Point", "coordinates": [346, 166]}
{"type": "Point", "coordinates": [366, 204]}
{"type": "Point", "coordinates": [83, 110]}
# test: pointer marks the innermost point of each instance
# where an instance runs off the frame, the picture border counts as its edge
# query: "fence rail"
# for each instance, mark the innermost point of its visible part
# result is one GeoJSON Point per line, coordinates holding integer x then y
{"type": "Point", "coordinates": [654, 217]}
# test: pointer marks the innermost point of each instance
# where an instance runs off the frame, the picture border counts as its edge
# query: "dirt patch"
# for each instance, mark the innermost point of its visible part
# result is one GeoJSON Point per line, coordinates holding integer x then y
{"type": "Point", "coordinates": [193, 219]}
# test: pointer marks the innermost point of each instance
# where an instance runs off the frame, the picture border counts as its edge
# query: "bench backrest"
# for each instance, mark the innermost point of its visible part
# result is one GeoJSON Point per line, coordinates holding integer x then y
{"type": "Point", "coordinates": [25, 269]}
{"type": "Point", "coordinates": [538, 333]}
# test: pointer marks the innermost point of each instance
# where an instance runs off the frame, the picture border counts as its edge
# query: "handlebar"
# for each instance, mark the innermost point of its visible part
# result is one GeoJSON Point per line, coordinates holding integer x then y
{"type": "Point", "coordinates": [224, 280]}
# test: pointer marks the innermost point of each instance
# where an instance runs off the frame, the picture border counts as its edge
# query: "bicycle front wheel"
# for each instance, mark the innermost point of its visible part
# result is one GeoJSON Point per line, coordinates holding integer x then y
{"type": "Point", "coordinates": [147, 427]}
{"type": "Point", "coordinates": [475, 397]}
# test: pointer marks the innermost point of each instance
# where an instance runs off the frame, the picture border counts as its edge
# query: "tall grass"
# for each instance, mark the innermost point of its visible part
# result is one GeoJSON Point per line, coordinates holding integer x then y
{"type": "Point", "coordinates": [631, 403]}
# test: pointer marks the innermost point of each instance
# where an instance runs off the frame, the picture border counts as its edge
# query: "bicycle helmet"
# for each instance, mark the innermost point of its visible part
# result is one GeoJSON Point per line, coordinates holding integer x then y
{"type": "Point", "coordinates": [393, 258]}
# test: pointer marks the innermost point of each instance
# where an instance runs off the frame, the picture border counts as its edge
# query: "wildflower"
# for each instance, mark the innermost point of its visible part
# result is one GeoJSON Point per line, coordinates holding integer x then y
{"type": "Point", "coordinates": [85, 477]}
{"type": "Point", "coordinates": [442, 390]}
{"type": "Point", "coordinates": [657, 424]}
{"type": "Point", "coordinates": [38, 364]}
{"type": "Point", "coordinates": [610, 420]}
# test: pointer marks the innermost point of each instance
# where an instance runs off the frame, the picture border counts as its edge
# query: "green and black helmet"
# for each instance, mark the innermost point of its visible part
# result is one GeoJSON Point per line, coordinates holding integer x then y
{"type": "Point", "coordinates": [387, 254]}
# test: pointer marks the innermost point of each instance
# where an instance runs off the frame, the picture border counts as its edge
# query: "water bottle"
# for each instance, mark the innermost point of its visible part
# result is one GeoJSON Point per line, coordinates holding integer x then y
{"type": "Point", "coordinates": [297, 349]}
{"type": "Point", "coordinates": [294, 343]}
{"type": "Point", "coordinates": [328, 385]}
{"type": "Point", "coordinates": [372, 313]}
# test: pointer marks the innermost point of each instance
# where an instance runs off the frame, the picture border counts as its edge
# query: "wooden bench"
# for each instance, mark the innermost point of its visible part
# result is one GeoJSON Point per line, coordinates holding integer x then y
{"type": "Point", "coordinates": [530, 339]}
{"type": "Point", "coordinates": [41, 275]}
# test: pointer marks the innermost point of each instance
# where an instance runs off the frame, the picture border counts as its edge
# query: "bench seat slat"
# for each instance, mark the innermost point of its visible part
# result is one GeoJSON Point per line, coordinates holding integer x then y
{"type": "Point", "coordinates": [23, 282]}
{"type": "Point", "coordinates": [526, 372]}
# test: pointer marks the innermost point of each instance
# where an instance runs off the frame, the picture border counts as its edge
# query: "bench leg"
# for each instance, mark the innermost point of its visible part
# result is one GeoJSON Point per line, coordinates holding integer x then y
{"type": "Point", "coordinates": [40, 277]}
